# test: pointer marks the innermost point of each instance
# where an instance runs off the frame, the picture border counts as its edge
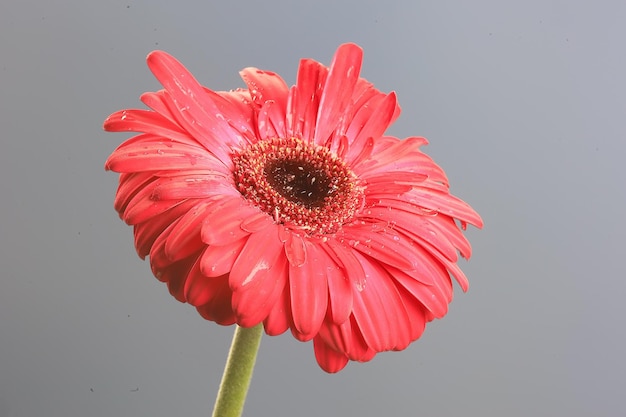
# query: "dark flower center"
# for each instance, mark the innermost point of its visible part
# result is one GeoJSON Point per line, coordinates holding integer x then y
{"type": "Point", "coordinates": [299, 181]}
{"type": "Point", "coordinates": [302, 186]}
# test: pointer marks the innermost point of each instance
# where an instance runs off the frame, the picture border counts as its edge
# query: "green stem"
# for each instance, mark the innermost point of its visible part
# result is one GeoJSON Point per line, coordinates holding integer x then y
{"type": "Point", "coordinates": [238, 372]}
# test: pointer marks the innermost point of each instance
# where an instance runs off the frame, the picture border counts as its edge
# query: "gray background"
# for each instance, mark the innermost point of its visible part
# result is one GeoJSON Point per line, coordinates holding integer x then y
{"type": "Point", "coordinates": [524, 104]}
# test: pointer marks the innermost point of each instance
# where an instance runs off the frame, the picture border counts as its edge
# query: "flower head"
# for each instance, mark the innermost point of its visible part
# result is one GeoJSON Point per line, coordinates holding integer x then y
{"type": "Point", "coordinates": [288, 206]}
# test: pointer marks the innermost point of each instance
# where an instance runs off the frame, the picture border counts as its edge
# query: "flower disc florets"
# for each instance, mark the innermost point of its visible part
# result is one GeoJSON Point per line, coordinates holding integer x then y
{"type": "Point", "coordinates": [303, 186]}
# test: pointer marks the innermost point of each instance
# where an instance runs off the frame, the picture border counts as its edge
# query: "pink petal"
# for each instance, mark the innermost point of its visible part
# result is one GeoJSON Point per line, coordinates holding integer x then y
{"type": "Point", "coordinates": [157, 101]}
{"type": "Point", "coordinates": [431, 296]}
{"type": "Point", "coordinates": [218, 308]}
{"type": "Point", "coordinates": [416, 313]}
{"type": "Point", "coordinates": [258, 256]}
{"type": "Point", "coordinates": [198, 288]}
{"type": "Point", "coordinates": [309, 291]}
{"type": "Point", "coordinates": [265, 86]}
{"type": "Point", "coordinates": [237, 110]}
{"type": "Point", "coordinates": [271, 121]}
{"type": "Point", "coordinates": [391, 154]}
{"type": "Point", "coordinates": [295, 249]}
{"type": "Point", "coordinates": [342, 77]}
{"type": "Point", "coordinates": [144, 206]}
{"type": "Point", "coordinates": [147, 232]}
{"type": "Point", "coordinates": [198, 113]}
{"type": "Point", "coordinates": [219, 260]}
{"type": "Point", "coordinates": [224, 219]}
{"type": "Point", "coordinates": [144, 121]}
{"type": "Point", "coordinates": [451, 266]}
{"type": "Point", "coordinates": [346, 338]}
{"type": "Point", "coordinates": [370, 122]}
{"type": "Point", "coordinates": [390, 247]}
{"type": "Point", "coordinates": [417, 227]}
{"type": "Point", "coordinates": [351, 265]}
{"type": "Point", "coordinates": [152, 153]}
{"type": "Point", "coordinates": [364, 153]}
{"type": "Point", "coordinates": [446, 204]}
{"type": "Point", "coordinates": [184, 238]}
{"type": "Point", "coordinates": [279, 318]}
{"type": "Point", "coordinates": [304, 99]}
{"type": "Point", "coordinates": [339, 291]}
{"type": "Point", "coordinates": [328, 359]}
{"type": "Point", "coordinates": [255, 301]}
{"type": "Point", "coordinates": [129, 185]}
{"type": "Point", "coordinates": [257, 222]}
{"type": "Point", "coordinates": [194, 185]}
{"type": "Point", "coordinates": [390, 326]}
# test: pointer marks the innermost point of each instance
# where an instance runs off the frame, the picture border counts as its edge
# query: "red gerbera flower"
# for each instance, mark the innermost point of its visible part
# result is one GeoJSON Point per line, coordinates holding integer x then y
{"type": "Point", "coordinates": [289, 207]}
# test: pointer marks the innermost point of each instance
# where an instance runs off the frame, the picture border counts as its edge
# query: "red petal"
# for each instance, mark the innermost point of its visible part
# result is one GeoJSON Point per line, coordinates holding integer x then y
{"type": "Point", "coordinates": [390, 247]}
{"type": "Point", "coordinates": [184, 238]}
{"type": "Point", "coordinates": [431, 296]}
{"type": "Point", "coordinates": [147, 232]}
{"type": "Point", "coordinates": [129, 186]}
{"type": "Point", "coordinates": [198, 288]}
{"type": "Point", "coordinates": [153, 153]}
{"type": "Point", "coordinates": [417, 315]}
{"type": "Point", "coordinates": [279, 318]}
{"type": "Point", "coordinates": [254, 302]}
{"type": "Point", "coordinates": [218, 309]}
{"type": "Point", "coordinates": [351, 265]}
{"type": "Point", "coordinates": [418, 228]}
{"type": "Point", "coordinates": [379, 311]}
{"type": "Point", "coordinates": [339, 292]}
{"type": "Point", "coordinates": [224, 219]}
{"type": "Point", "coordinates": [328, 359]}
{"type": "Point", "coordinates": [342, 77]}
{"type": "Point", "coordinates": [143, 206]}
{"type": "Point", "coordinates": [271, 121]}
{"type": "Point", "coordinates": [446, 204]}
{"type": "Point", "coordinates": [371, 121]}
{"type": "Point", "coordinates": [265, 86]}
{"type": "Point", "coordinates": [309, 291]}
{"type": "Point", "coordinates": [304, 99]}
{"type": "Point", "coordinates": [257, 257]}
{"type": "Point", "coordinates": [347, 338]}
{"type": "Point", "coordinates": [295, 249]}
{"type": "Point", "coordinates": [136, 120]}
{"type": "Point", "coordinates": [219, 260]}
{"type": "Point", "coordinates": [198, 113]}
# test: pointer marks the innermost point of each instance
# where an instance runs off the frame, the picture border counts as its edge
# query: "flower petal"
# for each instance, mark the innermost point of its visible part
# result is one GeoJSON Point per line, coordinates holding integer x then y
{"type": "Point", "coordinates": [133, 120]}
{"type": "Point", "coordinates": [271, 121]}
{"type": "Point", "coordinates": [342, 77]}
{"type": "Point", "coordinates": [386, 245]}
{"type": "Point", "coordinates": [219, 260]}
{"type": "Point", "coordinates": [265, 86]}
{"type": "Point", "coordinates": [152, 153]}
{"type": "Point", "coordinates": [218, 309]}
{"type": "Point", "coordinates": [147, 232]}
{"type": "Point", "coordinates": [308, 287]}
{"type": "Point", "coordinates": [254, 302]}
{"type": "Point", "coordinates": [256, 258]}
{"type": "Point", "coordinates": [198, 113]}
{"type": "Point", "coordinates": [390, 326]}
{"type": "Point", "coordinates": [340, 293]}
{"type": "Point", "coordinates": [184, 238]}
{"type": "Point", "coordinates": [431, 296]}
{"type": "Point", "coordinates": [371, 121]}
{"type": "Point", "coordinates": [328, 359]}
{"type": "Point", "coordinates": [304, 99]}
{"type": "Point", "coordinates": [279, 318]}
{"type": "Point", "coordinates": [224, 219]}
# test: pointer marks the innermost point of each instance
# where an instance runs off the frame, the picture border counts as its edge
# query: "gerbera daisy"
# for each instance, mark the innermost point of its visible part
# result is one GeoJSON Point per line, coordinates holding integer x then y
{"type": "Point", "coordinates": [290, 207]}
